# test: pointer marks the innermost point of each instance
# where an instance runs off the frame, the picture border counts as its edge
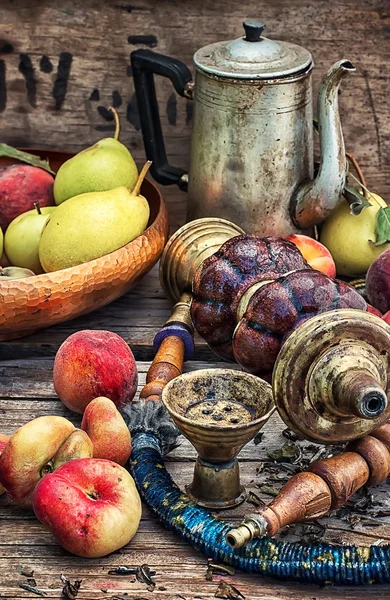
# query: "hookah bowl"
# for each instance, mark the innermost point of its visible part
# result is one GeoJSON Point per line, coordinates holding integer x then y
{"type": "Point", "coordinates": [218, 411]}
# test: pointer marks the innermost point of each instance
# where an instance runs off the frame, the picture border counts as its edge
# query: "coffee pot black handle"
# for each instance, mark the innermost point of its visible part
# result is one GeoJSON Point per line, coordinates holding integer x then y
{"type": "Point", "coordinates": [145, 64]}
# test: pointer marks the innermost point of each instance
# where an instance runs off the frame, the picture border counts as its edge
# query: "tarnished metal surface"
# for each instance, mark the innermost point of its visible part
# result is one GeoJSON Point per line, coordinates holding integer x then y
{"type": "Point", "coordinates": [211, 407]}
{"type": "Point", "coordinates": [187, 248]}
{"type": "Point", "coordinates": [315, 199]}
{"type": "Point", "coordinates": [319, 364]}
{"type": "Point", "coordinates": [251, 146]}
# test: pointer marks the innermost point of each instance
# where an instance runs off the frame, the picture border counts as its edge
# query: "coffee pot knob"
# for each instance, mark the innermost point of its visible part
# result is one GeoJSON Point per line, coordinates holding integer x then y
{"type": "Point", "coordinates": [253, 30]}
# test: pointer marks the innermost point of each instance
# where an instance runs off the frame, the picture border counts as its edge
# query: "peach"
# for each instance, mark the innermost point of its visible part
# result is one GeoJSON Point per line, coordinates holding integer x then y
{"type": "Point", "coordinates": [91, 506]}
{"type": "Point", "coordinates": [35, 450]}
{"type": "Point", "coordinates": [21, 186]}
{"type": "Point", "coordinates": [90, 364]}
{"type": "Point", "coordinates": [108, 431]}
{"type": "Point", "coordinates": [3, 442]}
{"type": "Point", "coordinates": [315, 253]}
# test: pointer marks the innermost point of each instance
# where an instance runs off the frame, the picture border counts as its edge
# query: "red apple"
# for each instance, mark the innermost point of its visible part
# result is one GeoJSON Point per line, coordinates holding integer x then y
{"type": "Point", "coordinates": [315, 253]}
{"type": "Point", "coordinates": [108, 431]}
{"type": "Point", "coordinates": [90, 505]}
{"type": "Point", "coordinates": [21, 186]}
{"type": "Point", "coordinates": [90, 364]}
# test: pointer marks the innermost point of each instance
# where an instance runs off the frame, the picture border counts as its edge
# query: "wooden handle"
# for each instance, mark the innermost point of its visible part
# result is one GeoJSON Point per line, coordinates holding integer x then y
{"type": "Point", "coordinates": [329, 483]}
{"type": "Point", "coordinates": [167, 364]}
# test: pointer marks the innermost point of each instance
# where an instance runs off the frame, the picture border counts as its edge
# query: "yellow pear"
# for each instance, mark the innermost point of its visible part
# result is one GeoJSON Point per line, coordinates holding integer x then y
{"type": "Point", "coordinates": [350, 238]}
{"type": "Point", "coordinates": [91, 225]}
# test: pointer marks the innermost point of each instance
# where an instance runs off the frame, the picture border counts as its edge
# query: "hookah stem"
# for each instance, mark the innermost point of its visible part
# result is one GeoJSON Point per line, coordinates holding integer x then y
{"type": "Point", "coordinates": [325, 486]}
{"type": "Point", "coordinates": [174, 344]}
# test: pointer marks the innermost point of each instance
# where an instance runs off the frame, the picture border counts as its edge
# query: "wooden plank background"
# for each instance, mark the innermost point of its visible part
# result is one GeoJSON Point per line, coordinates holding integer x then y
{"type": "Point", "coordinates": [61, 65]}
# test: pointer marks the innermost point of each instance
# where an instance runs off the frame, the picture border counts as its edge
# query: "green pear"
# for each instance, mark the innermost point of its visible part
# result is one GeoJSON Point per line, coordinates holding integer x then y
{"type": "Point", "coordinates": [91, 225]}
{"type": "Point", "coordinates": [21, 240]}
{"type": "Point", "coordinates": [104, 166]}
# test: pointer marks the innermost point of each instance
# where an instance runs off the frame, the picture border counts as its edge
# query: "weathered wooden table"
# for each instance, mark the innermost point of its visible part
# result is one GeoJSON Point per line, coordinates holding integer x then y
{"type": "Point", "coordinates": [61, 65]}
{"type": "Point", "coordinates": [26, 391]}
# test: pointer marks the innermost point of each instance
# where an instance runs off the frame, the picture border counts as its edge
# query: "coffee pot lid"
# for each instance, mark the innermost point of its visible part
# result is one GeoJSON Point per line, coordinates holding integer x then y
{"type": "Point", "coordinates": [253, 56]}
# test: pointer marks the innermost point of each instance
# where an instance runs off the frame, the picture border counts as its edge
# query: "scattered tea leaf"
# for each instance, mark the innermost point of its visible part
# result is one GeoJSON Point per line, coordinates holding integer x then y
{"type": "Point", "coordinates": [144, 575]}
{"type": "Point", "coordinates": [32, 581]}
{"type": "Point", "coordinates": [33, 590]}
{"type": "Point", "coordinates": [258, 438]}
{"type": "Point", "coordinates": [269, 490]}
{"type": "Point", "coordinates": [260, 468]}
{"type": "Point", "coordinates": [123, 570]}
{"type": "Point", "coordinates": [70, 590]}
{"type": "Point", "coordinates": [228, 591]}
{"type": "Point", "coordinates": [290, 435]}
{"type": "Point", "coordinates": [288, 452]}
{"type": "Point", "coordinates": [357, 202]}
{"type": "Point", "coordinates": [25, 157]}
{"type": "Point", "coordinates": [382, 227]}
{"type": "Point", "coordinates": [313, 532]}
{"type": "Point", "coordinates": [254, 499]}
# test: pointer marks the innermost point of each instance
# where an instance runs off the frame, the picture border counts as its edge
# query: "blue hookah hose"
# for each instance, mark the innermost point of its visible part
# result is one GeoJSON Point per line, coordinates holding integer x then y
{"type": "Point", "coordinates": [309, 563]}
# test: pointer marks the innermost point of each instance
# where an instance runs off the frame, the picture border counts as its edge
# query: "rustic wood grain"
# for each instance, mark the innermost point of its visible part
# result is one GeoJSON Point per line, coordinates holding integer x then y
{"type": "Point", "coordinates": [37, 109]}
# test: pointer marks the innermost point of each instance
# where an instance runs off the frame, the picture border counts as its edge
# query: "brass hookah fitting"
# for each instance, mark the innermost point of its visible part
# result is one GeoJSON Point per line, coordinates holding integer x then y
{"type": "Point", "coordinates": [256, 301]}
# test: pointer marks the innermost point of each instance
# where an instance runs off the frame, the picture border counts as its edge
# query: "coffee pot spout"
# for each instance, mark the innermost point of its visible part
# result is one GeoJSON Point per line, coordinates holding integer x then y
{"type": "Point", "coordinates": [314, 200]}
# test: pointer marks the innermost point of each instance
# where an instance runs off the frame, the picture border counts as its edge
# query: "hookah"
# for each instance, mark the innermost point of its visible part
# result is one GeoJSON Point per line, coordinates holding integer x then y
{"type": "Point", "coordinates": [340, 377]}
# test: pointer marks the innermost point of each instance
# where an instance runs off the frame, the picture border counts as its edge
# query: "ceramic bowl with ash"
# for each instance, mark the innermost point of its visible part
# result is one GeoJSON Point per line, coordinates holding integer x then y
{"type": "Point", "coordinates": [218, 411]}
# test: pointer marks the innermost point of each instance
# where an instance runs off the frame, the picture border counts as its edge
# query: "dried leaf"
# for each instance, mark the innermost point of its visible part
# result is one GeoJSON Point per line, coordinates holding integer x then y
{"type": "Point", "coordinates": [258, 438]}
{"type": "Point", "coordinates": [269, 490]}
{"type": "Point", "coordinates": [313, 533]}
{"type": "Point", "coordinates": [70, 590]}
{"type": "Point", "coordinates": [33, 590]}
{"type": "Point", "coordinates": [144, 575]}
{"type": "Point", "coordinates": [382, 228]}
{"type": "Point", "coordinates": [290, 435]}
{"type": "Point", "coordinates": [123, 570]}
{"type": "Point", "coordinates": [254, 499]}
{"type": "Point", "coordinates": [357, 202]}
{"type": "Point", "coordinates": [25, 157]}
{"type": "Point", "coordinates": [228, 591]}
{"type": "Point", "coordinates": [288, 452]}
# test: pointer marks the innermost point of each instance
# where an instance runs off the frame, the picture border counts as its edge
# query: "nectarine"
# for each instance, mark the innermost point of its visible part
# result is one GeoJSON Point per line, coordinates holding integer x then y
{"type": "Point", "coordinates": [90, 505]}
{"type": "Point", "coordinates": [108, 431]}
{"type": "Point", "coordinates": [21, 186]}
{"type": "Point", "coordinates": [315, 253]}
{"type": "Point", "coordinates": [94, 363]}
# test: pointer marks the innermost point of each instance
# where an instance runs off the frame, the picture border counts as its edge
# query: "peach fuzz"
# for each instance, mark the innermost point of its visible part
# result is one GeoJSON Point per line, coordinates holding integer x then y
{"type": "Point", "coordinates": [91, 506]}
{"type": "Point", "coordinates": [3, 442]}
{"type": "Point", "coordinates": [93, 363]}
{"type": "Point", "coordinates": [108, 431]}
{"type": "Point", "coordinates": [315, 253]}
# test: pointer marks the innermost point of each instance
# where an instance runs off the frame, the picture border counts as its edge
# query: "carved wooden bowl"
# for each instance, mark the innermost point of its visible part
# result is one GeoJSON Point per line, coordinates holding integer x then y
{"type": "Point", "coordinates": [30, 304]}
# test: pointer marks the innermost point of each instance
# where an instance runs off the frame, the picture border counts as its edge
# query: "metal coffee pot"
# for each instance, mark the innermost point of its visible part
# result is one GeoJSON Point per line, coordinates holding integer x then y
{"type": "Point", "coordinates": [252, 132]}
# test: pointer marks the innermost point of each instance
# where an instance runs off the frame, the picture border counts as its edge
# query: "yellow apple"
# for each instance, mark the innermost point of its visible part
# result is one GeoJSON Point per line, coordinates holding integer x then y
{"type": "Point", "coordinates": [21, 240]}
{"type": "Point", "coordinates": [350, 238]}
{"type": "Point", "coordinates": [1, 242]}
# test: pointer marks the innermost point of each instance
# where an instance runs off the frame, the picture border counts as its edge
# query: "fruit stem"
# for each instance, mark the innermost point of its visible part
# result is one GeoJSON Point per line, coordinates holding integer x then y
{"type": "Point", "coordinates": [358, 170]}
{"type": "Point", "coordinates": [117, 122]}
{"type": "Point", "coordinates": [38, 208]}
{"type": "Point", "coordinates": [141, 177]}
